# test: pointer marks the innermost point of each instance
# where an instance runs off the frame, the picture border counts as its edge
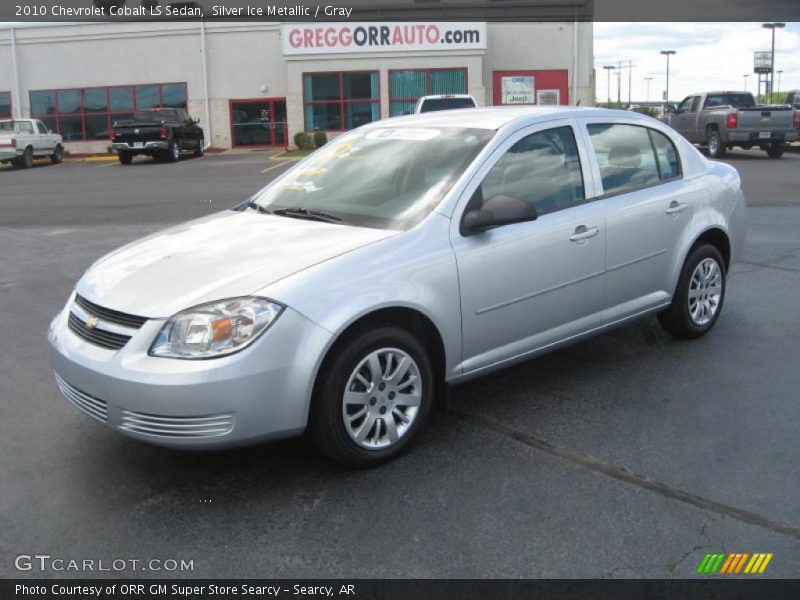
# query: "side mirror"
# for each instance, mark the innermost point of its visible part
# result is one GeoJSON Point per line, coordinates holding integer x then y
{"type": "Point", "coordinates": [497, 211]}
{"type": "Point", "coordinates": [195, 121]}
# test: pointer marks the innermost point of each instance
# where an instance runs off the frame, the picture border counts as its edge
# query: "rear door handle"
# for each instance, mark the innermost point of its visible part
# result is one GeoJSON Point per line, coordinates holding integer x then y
{"type": "Point", "coordinates": [676, 207]}
{"type": "Point", "coordinates": [583, 233]}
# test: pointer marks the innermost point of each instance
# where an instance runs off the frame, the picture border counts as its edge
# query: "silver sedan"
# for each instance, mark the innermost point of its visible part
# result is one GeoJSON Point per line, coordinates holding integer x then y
{"type": "Point", "coordinates": [404, 256]}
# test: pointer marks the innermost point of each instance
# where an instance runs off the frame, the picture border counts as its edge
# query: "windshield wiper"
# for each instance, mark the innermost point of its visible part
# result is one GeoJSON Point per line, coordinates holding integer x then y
{"type": "Point", "coordinates": [304, 213]}
{"type": "Point", "coordinates": [256, 206]}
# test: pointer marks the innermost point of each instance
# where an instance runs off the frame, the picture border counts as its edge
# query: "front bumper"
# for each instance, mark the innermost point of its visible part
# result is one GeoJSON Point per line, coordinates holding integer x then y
{"type": "Point", "coordinates": [133, 147]}
{"type": "Point", "coordinates": [754, 137]}
{"type": "Point", "coordinates": [257, 394]}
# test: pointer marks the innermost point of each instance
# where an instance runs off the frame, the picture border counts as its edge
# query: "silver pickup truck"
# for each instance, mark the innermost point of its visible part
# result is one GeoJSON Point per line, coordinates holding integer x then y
{"type": "Point", "coordinates": [22, 140]}
{"type": "Point", "coordinates": [722, 120]}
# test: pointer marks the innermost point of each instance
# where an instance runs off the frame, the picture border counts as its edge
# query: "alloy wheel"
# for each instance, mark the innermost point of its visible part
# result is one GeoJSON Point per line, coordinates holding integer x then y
{"type": "Point", "coordinates": [705, 291]}
{"type": "Point", "coordinates": [382, 398]}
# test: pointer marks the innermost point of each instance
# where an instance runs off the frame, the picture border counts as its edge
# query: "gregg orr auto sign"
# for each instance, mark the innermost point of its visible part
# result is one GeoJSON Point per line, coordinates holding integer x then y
{"type": "Point", "coordinates": [340, 38]}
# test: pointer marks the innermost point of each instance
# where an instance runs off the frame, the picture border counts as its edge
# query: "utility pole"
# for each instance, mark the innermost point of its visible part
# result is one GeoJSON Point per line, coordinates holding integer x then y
{"type": "Point", "coordinates": [619, 87]}
{"type": "Point", "coordinates": [667, 53]}
{"type": "Point", "coordinates": [648, 80]}
{"type": "Point", "coordinates": [779, 81]}
{"type": "Point", "coordinates": [746, 75]}
{"type": "Point", "coordinates": [608, 69]}
{"type": "Point", "coordinates": [773, 27]}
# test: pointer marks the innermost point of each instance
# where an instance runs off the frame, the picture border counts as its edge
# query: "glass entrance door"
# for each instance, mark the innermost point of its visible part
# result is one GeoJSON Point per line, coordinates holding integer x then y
{"type": "Point", "coordinates": [259, 122]}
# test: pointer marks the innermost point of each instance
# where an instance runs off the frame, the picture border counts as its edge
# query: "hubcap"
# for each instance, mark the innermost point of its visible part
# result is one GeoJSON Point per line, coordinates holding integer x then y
{"type": "Point", "coordinates": [175, 151]}
{"type": "Point", "coordinates": [705, 291]}
{"type": "Point", "coordinates": [382, 398]}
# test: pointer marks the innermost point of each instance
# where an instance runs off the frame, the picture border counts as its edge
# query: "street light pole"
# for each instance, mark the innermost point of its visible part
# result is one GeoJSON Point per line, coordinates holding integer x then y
{"type": "Point", "coordinates": [773, 27]}
{"type": "Point", "coordinates": [746, 75]}
{"type": "Point", "coordinates": [779, 81]}
{"type": "Point", "coordinates": [667, 53]}
{"type": "Point", "coordinates": [648, 80]}
{"type": "Point", "coordinates": [608, 69]}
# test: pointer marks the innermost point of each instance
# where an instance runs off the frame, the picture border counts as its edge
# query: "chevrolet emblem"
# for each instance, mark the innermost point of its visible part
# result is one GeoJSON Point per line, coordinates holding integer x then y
{"type": "Point", "coordinates": [91, 322]}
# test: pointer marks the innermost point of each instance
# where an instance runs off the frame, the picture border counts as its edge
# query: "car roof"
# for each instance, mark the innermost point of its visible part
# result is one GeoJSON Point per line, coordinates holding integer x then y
{"type": "Point", "coordinates": [437, 96]}
{"type": "Point", "coordinates": [498, 116]}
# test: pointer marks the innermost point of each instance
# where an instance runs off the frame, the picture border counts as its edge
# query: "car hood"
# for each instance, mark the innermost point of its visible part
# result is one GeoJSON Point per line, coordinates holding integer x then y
{"type": "Point", "coordinates": [220, 256]}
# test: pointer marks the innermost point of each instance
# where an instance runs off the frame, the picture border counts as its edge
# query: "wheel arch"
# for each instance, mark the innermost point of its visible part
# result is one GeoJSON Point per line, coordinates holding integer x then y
{"type": "Point", "coordinates": [408, 318]}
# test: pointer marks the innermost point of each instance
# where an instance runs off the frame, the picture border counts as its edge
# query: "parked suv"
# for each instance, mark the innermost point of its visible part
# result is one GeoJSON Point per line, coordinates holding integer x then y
{"type": "Point", "coordinates": [403, 256]}
{"type": "Point", "coordinates": [22, 140]}
{"type": "Point", "coordinates": [444, 102]}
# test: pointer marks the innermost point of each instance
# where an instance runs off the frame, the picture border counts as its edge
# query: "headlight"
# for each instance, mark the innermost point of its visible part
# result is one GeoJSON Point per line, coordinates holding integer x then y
{"type": "Point", "coordinates": [215, 329]}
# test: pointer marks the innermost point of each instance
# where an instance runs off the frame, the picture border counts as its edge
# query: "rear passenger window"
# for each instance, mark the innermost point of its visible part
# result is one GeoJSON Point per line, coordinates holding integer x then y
{"type": "Point", "coordinates": [542, 169]}
{"type": "Point", "coordinates": [625, 155]}
{"type": "Point", "coordinates": [669, 166]}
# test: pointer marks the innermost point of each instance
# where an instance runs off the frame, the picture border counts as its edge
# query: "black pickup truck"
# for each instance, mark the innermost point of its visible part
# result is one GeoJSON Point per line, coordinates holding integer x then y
{"type": "Point", "coordinates": [162, 133]}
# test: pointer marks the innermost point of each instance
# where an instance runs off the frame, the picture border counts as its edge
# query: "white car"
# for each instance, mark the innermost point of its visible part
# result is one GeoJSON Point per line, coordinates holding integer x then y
{"type": "Point", "coordinates": [22, 140]}
{"type": "Point", "coordinates": [428, 104]}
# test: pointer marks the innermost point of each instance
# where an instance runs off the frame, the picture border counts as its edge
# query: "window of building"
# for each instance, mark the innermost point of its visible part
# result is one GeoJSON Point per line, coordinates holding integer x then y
{"type": "Point", "coordinates": [632, 157]}
{"type": "Point", "coordinates": [542, 169]}
{"type": "Point", "coordinates": [338, 101]}
{"type": "Point", "coordinates": [407, 86]}
{"type": "Point", "coordinates": [89, 113]}
{"type": "Point", "coordinates": [5, 105]}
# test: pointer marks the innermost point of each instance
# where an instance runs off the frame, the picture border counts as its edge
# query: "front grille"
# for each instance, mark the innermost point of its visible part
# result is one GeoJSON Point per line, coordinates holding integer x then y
{"type": "Point", "coordinates": [177, 427]}
{"type": "Point", "coordinates": [112, 316]}
{"type": "Point", "coordinates": [98, 337]}
{"type": "Point", "coordinates": [94, 407]}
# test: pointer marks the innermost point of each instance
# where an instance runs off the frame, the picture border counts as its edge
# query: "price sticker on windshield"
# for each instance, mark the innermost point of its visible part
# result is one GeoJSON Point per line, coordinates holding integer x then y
{"type": "Point", "coordinates": [405, 133]}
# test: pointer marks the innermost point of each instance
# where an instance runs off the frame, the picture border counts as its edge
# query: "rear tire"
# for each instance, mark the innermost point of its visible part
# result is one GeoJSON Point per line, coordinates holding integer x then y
{"type": "Point", "coordinates": [775, 150]}
{"type": "Point", "coordinates": [362, 417]}
{"type": "Point", "coordinates": [125, 157]}
{"type": "Point", "coordinates": [26, 160]}
{"type": "Point", "coordinates": [699, 295]}
{"type": "Point", "coordinates": [57, 156]}
{"type": "Point", "coordinates": [716, 149]}
{"type": "Point", "coordinates": [174, 152]}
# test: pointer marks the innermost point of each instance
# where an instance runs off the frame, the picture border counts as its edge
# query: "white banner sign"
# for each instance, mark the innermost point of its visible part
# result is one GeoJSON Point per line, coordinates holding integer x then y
{"type": "Point", "coordinates": [517, 90]}
{"type": "Point", "coordinates": [341, 38]}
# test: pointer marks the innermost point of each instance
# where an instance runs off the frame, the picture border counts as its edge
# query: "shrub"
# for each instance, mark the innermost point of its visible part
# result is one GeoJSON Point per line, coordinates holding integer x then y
{"type": "Point", "coordinates": [109, 149]}
{"type": "Point", "coordinates": [320, 138]}
{"type": "Point", "coordinates": [303, 141]}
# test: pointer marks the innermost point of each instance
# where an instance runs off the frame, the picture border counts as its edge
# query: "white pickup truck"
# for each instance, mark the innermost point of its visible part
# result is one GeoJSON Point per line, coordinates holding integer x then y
{"type": "Point", "coordinates": [22, 140]}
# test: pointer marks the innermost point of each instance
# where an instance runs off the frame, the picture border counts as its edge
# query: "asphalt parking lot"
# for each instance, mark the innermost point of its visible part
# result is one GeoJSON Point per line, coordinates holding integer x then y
{"type": "Point", "coordinates": [629, 455]}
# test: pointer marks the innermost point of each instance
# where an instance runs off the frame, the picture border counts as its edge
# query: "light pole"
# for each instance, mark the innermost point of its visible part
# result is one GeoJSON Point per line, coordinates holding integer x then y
{"type": "Point", "coordinates": [773, 27]}
{"type": "Point", "coordinates": [667, 53]}
{"type": "Point", "coordinates": [648, 80]}
{"type": "Point", "coordinates": [608, 69]}
{"type": "Point", "coordinates": [746, 75]}
{"type": "Point", "coordinates": [779, 81]}
{"type": "Point", "coordinates": [619, 86]}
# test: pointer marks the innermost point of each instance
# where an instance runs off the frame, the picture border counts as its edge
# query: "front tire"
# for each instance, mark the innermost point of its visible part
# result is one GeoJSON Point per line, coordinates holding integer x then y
{"type": "Point", "coordinates": [716, 149]}
{"type": "Point", "coordinates": [699, 295]}
{"type": "Point", "coordinates": [200, 148]}
{"type": "Point", "coordinates": [372, 397]}
{"type": "Point", "coordinates": [775, 150]}
{"type": "Point", "coordinates": [57, 156]}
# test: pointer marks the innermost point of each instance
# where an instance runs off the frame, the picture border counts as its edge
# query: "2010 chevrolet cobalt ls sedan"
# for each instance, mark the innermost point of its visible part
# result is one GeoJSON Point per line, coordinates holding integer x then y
{"type": "Point", "coordinates": [406, 255]}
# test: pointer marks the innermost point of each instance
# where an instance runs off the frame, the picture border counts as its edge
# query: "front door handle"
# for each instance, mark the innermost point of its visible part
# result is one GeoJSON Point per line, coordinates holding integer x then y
{"type": "Point", "coordinates": [676, 207]}
{"type": "Point", "coordinates": [582, 232]}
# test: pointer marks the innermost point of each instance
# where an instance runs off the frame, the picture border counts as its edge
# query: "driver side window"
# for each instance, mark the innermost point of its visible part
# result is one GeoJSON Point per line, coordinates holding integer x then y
{"type": "Point", "coordinates": [542, 169]}
{"type": "Point", "coordinates": [684, 106]}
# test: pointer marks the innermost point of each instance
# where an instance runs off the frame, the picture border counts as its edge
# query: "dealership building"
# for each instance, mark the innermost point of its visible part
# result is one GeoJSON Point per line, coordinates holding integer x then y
{"type": "Point", "coordinates": [255, 84]}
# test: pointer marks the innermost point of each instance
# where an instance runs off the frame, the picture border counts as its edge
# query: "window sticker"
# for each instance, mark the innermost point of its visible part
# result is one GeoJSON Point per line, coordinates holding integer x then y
{"type": "Point", "coordinates": [406, 133]}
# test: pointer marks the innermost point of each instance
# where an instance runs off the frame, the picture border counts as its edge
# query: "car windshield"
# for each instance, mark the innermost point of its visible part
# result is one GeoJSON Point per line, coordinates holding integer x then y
{"type": "Point", "coordinates": [385, 178]}
{"type": "Point", "coordinates": [156, 116]}
{"type": "Point", "coordinates": [435, 104]}
{"type": "Point", "coordinates": [734, 100]}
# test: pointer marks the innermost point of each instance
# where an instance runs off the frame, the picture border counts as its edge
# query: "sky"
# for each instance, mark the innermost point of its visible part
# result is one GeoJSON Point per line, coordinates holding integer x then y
{"type": "Point", "coordinates": [709, 56]}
